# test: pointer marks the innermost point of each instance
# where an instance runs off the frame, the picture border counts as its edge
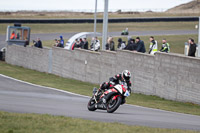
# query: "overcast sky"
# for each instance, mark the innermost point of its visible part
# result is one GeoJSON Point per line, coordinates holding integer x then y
{"type": "Point", "coordinates": [13, 5]}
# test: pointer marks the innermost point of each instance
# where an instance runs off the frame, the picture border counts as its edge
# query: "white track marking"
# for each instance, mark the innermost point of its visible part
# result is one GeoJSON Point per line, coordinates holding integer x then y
{"type": "Point", "coordinates": [43, 86]}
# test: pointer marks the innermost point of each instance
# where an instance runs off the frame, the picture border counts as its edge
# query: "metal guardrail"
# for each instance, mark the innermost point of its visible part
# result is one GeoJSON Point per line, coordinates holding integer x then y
{"type": "Point", "coordinates": [111, 20]}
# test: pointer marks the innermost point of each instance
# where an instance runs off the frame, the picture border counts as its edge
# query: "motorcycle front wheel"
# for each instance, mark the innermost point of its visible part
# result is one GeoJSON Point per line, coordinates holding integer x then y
{"type": "Point", "coordinates": [91, 105]}
{"type": "Point", "coordinates": [113, 104]}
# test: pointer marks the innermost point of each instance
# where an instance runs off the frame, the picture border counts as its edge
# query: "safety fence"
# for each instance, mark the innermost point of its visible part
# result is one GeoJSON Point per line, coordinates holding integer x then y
{"type": "Point", "coordinates": [111, 20]}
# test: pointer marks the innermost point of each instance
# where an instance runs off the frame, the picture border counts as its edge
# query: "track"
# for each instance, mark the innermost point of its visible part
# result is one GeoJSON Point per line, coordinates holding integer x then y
{"type": "Point", "coordinates": [17, 96]}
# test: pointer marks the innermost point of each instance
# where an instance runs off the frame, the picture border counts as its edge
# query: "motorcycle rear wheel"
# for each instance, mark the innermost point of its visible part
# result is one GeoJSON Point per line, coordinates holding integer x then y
{"type": "Point", "coordinates": [113, 105]}
{"type": "Point", "coordinates": [91, 105]}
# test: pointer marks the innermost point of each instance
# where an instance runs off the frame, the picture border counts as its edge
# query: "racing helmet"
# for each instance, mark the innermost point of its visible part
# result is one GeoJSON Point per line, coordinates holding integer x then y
{"type": "Point", "coordinates": [126, 75]}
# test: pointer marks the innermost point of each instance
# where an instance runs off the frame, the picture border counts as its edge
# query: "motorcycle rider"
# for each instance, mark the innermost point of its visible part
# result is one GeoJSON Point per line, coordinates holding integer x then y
{"type": "Point", "coordinates": [122, 78]}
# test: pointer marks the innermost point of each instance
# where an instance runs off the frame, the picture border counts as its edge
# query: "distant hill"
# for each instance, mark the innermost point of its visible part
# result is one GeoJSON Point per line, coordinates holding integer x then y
{"type": "Point", "coordinates": [191, 7]}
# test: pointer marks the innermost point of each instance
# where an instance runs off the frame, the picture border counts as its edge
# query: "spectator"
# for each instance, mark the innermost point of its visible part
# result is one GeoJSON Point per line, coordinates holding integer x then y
{"type": "Point", "coordinates": [129, 39]}
{"type": "Point", "coordinates": [140, 45]}
{"type": "Point", "coordinates": [131, 45]}
{"type": "Point", "coordinates": [26, 42]}
{"type": "Point", "coordinates": [95, 44]}
{"type": "Point", "coordinates": [165, 46]}
{"type": "Point", "coordinates": [18, 36]}
{"type": "Point", "coordinates": [38, 43]}
{"type": "Point", "coordinates": [110, 44]}
{"type": "Point", "coordinates": [121, 44]}
{"type": "Point", "coordinates": [153, 47]}
{"type": "Point", "coordinates": [76, 44]}
{"type": "Point", "coordinates": [56, 43]}
{"type": "Point", "coordinates": [192, 49]}
{"type": "Point", "coordinates": [61, 42]}
{"type": "Point", "coordinates": [85, 43]}
{"type": "Point", "coordinates": [12, 35]}
{"type": "Point", "coordinates": [81, 43]}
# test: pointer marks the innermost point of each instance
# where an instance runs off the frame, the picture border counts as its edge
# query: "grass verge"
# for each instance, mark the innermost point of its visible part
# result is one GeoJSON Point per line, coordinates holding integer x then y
{"type": "Point", "coordinates": [65, 14]}
{"type": "Point", "coordinates": [86, 27]}
{"type": "Point", "coordinates": [86, 89]}
{"type": "Point", "coordinates": [29, 123]}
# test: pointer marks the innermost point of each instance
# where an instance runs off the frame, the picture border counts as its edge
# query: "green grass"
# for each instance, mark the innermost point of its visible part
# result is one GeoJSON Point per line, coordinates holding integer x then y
{"type": "Point", "coordinates": [40, 15]}
{"type": "Point", "coordinates": [86, 89]}
{"type": "Point", "coordinates": [35, 123]}
{"type": "Point", "coordinates": [85, 27]}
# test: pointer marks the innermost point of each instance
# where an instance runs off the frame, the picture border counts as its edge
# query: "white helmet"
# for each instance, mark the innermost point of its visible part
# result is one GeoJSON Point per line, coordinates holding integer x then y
{"type": "Point", "coordinates": [126, 75]}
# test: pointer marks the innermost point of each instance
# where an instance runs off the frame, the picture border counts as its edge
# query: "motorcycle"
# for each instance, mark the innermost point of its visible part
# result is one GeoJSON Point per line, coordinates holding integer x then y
{"type": "Point", "coordinates": [109, 100]}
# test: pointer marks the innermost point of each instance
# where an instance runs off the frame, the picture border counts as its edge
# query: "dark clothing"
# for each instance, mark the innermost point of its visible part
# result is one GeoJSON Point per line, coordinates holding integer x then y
{"type": "Point", "coordinates": [38, 44]}
{"type": "Point", "coordinates": [119, 45]}
{"type": "Point", "coordinates": [192, 50]}
{"type": "Point", "coordinates": [26, 43]}
{"type": "Point", "coordinates": [117, 79]}
{"type": "Point", "coordinates": [86, 45]}
{"type": "Point", "coordinates": [131, 46]}
{"type": "Point", "coordinates": [140, 47]}
{"type": "Point", "coordinates": [110, 46]}
{"type": "Point", "coordinates": [61, 43]}
{"type": "Point", "coordinates": [81, 45]}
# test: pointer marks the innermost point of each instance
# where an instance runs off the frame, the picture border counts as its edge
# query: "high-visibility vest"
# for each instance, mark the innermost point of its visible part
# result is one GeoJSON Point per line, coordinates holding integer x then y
{"type": "Point", "coordinates": [154, 48]}
{"type": "Point", "coordinates": [165, 47]}
{"type": "Point", "coordinates": [12, 36]}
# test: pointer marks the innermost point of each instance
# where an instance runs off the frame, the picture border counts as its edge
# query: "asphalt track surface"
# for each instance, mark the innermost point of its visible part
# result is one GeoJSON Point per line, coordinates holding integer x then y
{"type": "Point", "coordinates": [52, 36]}
{"type": "Point", "coordinates": [21, 97]}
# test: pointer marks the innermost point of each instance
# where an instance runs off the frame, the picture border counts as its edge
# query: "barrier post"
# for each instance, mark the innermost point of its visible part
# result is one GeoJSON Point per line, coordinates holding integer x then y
{"type": "Point", "coordinates": [105, 25]}
{"type": "Point", "coordinates": [199, 40]}
{"type": "Point", "coordinates": [95, 19]}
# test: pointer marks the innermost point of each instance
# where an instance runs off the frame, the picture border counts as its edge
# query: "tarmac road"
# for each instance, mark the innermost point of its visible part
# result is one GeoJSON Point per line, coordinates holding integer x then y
{"type": "Point", "coordinates": [16, 96]}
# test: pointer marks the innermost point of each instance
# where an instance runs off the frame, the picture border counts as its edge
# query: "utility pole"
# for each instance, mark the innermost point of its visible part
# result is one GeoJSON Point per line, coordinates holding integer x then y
{"type": "Point", "coordinates": [95, 19]}
{"type": "Point", "coordinates": [199, 40]}
{"type": "Point", "coordinates": [105, 24]}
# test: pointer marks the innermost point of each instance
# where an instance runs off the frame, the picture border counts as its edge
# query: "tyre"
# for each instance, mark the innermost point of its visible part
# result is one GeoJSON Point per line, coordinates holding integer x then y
{"type": "Point", "coordinates": [113, 104]}
{"type": "Point", "coordinates": [91, 105]}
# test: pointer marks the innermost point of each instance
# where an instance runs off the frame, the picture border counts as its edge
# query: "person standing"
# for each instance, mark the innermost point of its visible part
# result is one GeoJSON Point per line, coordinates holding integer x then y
{"type": "Point", "coordinates": [140, 45]}
{"type": "Point", "coordinates": [192, 48]}
{"type": "Point", "coordinates": [95, 44]}
{"type": "Point", "coordinates": [61, 42]}
{"type": "Point", "coordinates": [110, 44]}
{"type": "Point", "coordinates": [38, 43]}
{"type": "Point", "coordinates": [121, 44]}
{"type": "Point", "coordinates": [165, 46]}
{"type": "Point", "coordinates": [81, 43]}
{"type": "Point", "coordinates": [12, 35]}
{"type": "Point", "coordinates": [153, 48]}
{"type": "Point", "coordinates": [131, 45]}
{"type": "Point", "coordinates": [85, 43]}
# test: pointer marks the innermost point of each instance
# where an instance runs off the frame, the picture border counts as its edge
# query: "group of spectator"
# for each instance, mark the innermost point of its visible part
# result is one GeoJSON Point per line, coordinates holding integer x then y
{"type": "Point", "coordinates": [132, 45]}
{"type": "Point", "coordinates": [138, 45]}
{"type": "Point", "coordinates": [59, 42]}
{"type": "Point", "coordinates": [83, 44]}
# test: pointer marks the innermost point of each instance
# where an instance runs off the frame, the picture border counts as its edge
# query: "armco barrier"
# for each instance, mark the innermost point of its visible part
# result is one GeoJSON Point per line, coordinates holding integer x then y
{"type": "Point", "coordinates": [111, 20]}
{"type": "Point", "coordinates": [170, 76]}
